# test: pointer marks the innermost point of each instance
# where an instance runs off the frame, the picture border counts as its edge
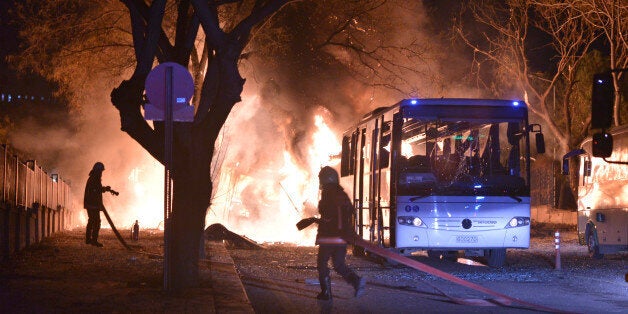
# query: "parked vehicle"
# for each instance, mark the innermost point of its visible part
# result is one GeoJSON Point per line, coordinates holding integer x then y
{"type": "Point", "coordinates": [442, 175]}
{"type": "Point", "coordinates": [603, 195]}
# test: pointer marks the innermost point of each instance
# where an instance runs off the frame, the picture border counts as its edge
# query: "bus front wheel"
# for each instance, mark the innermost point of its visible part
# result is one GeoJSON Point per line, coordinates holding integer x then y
{"type": "Point", "coordinates": [495, 257]}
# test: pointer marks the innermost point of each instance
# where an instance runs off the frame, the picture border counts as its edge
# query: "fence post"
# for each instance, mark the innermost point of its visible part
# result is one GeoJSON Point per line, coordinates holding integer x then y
{"type": "Point", "coordinates": [557, 265]}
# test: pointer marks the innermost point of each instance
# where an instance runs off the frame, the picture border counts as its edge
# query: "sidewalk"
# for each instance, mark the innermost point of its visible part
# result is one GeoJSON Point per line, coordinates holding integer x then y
{"type": "Point", "coordinates": [228, 290]}
{"type": "Point", "coordinates": [62, 274]}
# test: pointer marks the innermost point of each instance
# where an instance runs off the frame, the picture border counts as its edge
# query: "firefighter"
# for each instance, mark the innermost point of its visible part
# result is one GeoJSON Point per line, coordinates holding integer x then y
{"type": "Point", "coordinates": [92, 201]}
{"type": "Point", "coordinates": [334, 226]}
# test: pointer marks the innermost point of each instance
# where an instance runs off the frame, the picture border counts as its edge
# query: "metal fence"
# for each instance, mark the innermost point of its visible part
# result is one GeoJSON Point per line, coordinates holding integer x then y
{"type": "Point", "coordinates": [33, 203]}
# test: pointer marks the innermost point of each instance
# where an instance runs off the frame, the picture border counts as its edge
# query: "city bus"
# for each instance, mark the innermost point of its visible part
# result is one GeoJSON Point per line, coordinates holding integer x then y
{"type": "Point", "coordinates": [442, 175]}
{"type": "Point", "coordinates": [602, 194]}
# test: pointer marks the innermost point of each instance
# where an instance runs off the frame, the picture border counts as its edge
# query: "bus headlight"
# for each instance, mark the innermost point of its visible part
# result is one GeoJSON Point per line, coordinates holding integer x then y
{"type": "Point", "coordinates": [417, 221]}
{"type": "Point", "coordinates": [518, 222]}
{"type": "Point", "coordinates": [410, 221]}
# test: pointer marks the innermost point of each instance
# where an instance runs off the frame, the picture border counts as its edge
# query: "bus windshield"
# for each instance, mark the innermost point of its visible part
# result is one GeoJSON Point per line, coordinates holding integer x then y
{"type": "Point", "coordinates": [462, 158]}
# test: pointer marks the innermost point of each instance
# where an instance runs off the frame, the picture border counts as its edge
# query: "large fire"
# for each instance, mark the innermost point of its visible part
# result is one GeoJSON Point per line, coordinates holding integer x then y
{"type": "Point", "coordinates": [262, 204]}
{"type": "Point", "coordinates": [265, 204]}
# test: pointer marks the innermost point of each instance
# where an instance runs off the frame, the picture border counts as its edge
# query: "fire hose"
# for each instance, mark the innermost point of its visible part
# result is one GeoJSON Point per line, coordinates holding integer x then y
{"type": "Point", "coordinates": [501, 299]}
{"type": "Point", "coordinates": [113, 227]}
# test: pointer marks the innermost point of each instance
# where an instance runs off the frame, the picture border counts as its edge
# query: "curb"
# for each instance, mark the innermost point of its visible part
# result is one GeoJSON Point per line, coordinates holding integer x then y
{"type": "Point", "coordinates": [229, 293]}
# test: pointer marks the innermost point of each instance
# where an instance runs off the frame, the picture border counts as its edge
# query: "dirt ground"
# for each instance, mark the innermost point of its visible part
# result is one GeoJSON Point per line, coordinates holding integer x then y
{"type": "Point", "coordinates": [62, 274]}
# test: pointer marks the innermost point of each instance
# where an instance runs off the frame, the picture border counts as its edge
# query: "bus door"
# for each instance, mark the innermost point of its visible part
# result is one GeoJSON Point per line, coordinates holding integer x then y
{"type": "Point", "coordinates": [380, 181]}
{"type": "Point", "coordinates": [351, 166]}
{"type": "Point", "coordinates": [359, 192]}
{"type": "Point", "coordinates": [585, 184]}
{"type": "Point", "coordinates": [374, 221]}
{"type": "Point", "coordinates": [395, 155]}
{"type": "Point", "coordinates": [368, 160]}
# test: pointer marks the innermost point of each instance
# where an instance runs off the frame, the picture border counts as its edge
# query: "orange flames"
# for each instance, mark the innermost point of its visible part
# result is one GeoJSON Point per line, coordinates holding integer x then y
{"type": "Point", "coordinates": [262, 204]}
{"type": "Point", "coordinates": [265, 204]}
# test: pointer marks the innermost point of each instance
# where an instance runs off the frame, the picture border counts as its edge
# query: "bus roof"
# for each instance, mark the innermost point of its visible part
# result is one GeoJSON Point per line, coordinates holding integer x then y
{"type": "Point", "coordinates": [462, 102]}
{"type": "Point", "coordinates": [443, 107]}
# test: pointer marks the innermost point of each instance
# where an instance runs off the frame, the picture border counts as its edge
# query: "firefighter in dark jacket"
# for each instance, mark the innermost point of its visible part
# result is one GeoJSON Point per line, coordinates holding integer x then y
{"type": "Point", "coordinates": [334, 226]}
{"type": "Point", "coordinates": [92, 201]}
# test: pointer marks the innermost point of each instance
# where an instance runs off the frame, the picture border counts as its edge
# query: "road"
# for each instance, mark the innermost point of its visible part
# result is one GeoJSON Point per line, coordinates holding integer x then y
{"type": "Point", "coordinates": [283, 279]}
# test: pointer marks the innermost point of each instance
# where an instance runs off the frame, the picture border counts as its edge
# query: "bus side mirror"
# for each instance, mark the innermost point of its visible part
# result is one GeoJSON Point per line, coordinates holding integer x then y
{"type": "Point", "coordinates": [540, 139]}
{"type": "Point", "coordinates": [602, 99]}
{"type": "Point", "coordinates": [602, 145]}
{"type": "Point", "coordinates": [540, 143]}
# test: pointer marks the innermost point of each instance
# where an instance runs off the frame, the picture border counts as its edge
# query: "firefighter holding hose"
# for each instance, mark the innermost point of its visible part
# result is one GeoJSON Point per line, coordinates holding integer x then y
{"type": "Point", "coordinates": [92, 201]}
{"type": "Point", "coordinates": [334, 226]}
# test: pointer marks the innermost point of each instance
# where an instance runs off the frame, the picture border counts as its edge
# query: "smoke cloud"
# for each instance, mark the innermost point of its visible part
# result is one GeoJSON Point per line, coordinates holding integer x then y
{"type": "Point", "coordinates": [71, 145]}
{"type": "Point", "coordinates": [271, 148]}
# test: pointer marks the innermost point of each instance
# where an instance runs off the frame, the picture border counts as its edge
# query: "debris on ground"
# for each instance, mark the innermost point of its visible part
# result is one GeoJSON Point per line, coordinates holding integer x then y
{"type": "Point", "coordinates": [218, 232]}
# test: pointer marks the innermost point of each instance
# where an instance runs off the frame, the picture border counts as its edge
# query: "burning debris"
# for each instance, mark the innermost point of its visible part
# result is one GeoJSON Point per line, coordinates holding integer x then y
{"type": "Point", "coordinates": [218, 232]}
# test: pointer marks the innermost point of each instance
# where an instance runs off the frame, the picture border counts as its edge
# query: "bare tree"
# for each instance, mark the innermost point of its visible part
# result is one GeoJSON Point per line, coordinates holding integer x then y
{"type": "Point", "coordinates": [367, 39]}
{"type": "Point", "coordinates": [505, 45]}
{"type": "Point", "coordinates": [610, 18]}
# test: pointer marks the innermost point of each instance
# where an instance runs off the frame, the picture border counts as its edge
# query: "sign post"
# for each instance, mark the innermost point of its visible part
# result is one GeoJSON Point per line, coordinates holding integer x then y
{"type": "Point", "coordinates": [169, 88]}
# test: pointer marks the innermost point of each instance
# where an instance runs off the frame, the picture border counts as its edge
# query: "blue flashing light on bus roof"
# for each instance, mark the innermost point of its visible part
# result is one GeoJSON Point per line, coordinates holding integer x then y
{"type": "Point", "coordinates": [515, 103]}
{"type": "Point", "coordinates": [414, 101]}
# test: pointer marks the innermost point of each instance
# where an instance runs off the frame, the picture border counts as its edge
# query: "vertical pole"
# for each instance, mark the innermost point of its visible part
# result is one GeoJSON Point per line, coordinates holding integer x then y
{"type": "Point", "coordinates": [16, 185]}
{"type": "Point", "coordinates": [168, 126]}
{"type": "Point", "coordinates": [557, 265]}
{"type": "Point", "coordinates": [3, 197]}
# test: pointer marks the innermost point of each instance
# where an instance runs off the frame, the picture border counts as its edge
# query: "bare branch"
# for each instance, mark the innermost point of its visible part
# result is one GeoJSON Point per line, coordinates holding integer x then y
{"type": "Point", "coordinates": [209, 20]}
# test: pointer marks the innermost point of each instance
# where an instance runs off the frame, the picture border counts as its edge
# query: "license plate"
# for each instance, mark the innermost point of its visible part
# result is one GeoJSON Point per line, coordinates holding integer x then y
{"type": "Point", "coordinates": [466, 239]}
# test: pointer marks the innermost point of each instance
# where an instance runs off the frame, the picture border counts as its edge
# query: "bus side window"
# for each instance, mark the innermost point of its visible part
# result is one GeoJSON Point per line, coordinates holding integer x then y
{"type": "Point", "coordinates": [586, 171]}
{"type": "Point", "coordinates": [384, 154]}
{"type": "Point", "coordinates": [384, 146]}
{"type": "Point", "coordinates": [345, 159]}
{"type": "Point", "coordinates": [587, 168]}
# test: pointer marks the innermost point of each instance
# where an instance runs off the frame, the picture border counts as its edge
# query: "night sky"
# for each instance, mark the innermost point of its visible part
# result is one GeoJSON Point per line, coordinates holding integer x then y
{"type": "Point", "coordinates": [30, 94]}
{"type": "Point", "coordinates": [8, 42]}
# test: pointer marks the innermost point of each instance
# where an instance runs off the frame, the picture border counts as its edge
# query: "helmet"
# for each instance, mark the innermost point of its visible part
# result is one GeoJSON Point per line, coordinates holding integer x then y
{"type": "Point", "coordinates": [327, 175]}
{"type": "Point", "coordinates": [99, 166]}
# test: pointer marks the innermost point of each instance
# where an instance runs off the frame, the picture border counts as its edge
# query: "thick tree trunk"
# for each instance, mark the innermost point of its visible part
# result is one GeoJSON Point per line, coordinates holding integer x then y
{"type": "Point", "coordinates": [188, 222]}
{"type": "Point", "coordinates": [192, 190]}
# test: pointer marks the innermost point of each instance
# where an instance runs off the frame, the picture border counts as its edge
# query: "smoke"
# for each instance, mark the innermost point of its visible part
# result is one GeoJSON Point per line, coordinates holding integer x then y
{"type": "Point", "coordinates": [70, 145]}
{"type": "Point", "coordinates": [287, 126]}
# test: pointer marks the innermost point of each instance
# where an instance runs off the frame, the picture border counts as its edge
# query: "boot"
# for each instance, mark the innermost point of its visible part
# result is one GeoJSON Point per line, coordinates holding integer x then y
{"type": "Point", "coordinates": [325, 293]}
{"type": "Point", "coordinates": [358, 284]}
